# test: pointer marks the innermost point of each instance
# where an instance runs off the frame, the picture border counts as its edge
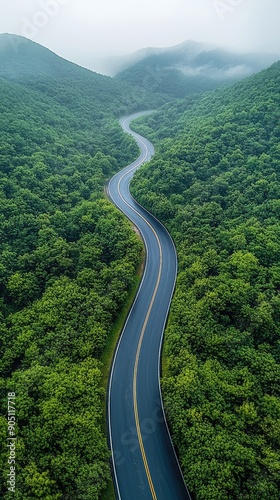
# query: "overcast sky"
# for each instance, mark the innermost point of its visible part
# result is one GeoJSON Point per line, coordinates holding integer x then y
{"type": "Point", "coordinates": [86, 31]}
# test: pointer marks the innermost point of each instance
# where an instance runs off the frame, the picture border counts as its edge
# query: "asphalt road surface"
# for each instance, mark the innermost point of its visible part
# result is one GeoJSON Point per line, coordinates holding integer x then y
{"type": "Point", "coordinates": [144, 462]}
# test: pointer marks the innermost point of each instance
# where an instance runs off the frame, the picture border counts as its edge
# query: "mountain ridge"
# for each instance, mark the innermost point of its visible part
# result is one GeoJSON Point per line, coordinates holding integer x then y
{"type": "Point", "coordinates": [31, 64]}
{"type": "Point", "coordinates": [192, 48]}
{"type": "Point", "coordinates": [215, 183]}
{"type": "Point", "coordinates": [190, 67]}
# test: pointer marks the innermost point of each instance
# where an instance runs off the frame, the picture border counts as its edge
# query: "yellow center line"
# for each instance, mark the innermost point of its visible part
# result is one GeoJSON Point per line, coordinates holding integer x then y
{"type": "Point", "coordinates": [135, 404]}
{"type": "Point", "coordinates": [135, 376]}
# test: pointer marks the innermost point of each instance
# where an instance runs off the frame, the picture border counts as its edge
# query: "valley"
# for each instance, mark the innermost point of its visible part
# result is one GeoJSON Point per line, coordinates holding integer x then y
{"type": "Point", "coordinates": [69, 261]}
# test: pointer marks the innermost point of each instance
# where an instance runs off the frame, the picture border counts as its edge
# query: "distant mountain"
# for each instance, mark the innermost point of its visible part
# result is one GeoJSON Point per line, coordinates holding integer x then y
{"type": "Point", "coordinates": [215, 183]}
{"type": "Point", "coordinates": [30, 64]}
{"type": "Point", "coordinates": [190, 67]}
{"type": "Point", "coordinates": [67, 263]}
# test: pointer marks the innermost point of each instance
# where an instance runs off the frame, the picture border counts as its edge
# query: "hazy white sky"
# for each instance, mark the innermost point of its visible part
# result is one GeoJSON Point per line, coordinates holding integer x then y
{"type": "Point", "coordinates": [85, 31]}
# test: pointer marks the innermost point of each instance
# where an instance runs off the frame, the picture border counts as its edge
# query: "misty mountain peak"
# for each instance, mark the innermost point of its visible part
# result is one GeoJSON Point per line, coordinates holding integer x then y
{"type": "Point", "coordinates": [189, 67]}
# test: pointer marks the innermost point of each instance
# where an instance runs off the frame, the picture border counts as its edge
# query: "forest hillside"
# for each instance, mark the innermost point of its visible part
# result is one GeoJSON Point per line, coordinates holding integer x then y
{"type": "Point", "coordinates": [215, 183]}
{"type": "Point", "coordinates": [80, 90]}
{"type": "Point", "coordinates": [68, 260]}
{"type": "Point", "coordinates": [189, 68]}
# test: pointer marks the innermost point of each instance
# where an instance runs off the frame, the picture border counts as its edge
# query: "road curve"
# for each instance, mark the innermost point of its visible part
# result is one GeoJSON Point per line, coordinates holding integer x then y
{"type": "Point", "coordinates": [144, 462]}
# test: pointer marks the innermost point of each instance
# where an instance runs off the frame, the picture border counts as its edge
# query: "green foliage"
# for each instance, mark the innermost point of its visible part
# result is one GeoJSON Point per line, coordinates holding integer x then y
{"type": "Point", "coordinates": [169, 82]}
{"type": "Point", "coordinates": [215, 183]}
{"type": "Point", "coordinates": [62, 448]}
{"type": "Point", "coordinates": [67, 262]}
{"type": "Point", "coordinates": [88, 95]}
{"type": "Point", "coordinates": [189, 68]}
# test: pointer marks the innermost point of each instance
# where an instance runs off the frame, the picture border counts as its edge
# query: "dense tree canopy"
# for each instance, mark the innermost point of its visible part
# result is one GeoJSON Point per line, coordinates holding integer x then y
{"type": "Point", "coordinates": [67, 263]}
{"type": "Point", "coordinates": [215, 183]}
{"type": "Point", "coordinates": [68, 258]}
{"type": "Point", "coordinates": [87, 94]}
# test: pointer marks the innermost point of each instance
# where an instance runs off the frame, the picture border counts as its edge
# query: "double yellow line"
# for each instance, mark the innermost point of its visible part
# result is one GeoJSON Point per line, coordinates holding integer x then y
{"type": "Point", "coordinates": [135, 404]}
{"type": "Point", "coordinates": [136, 372]}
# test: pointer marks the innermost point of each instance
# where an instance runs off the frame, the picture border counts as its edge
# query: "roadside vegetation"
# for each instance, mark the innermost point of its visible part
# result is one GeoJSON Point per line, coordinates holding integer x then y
{"type": "Point", "coordinates": [215, 183]}
{"type": "Point", "coordinates": [68, 261]}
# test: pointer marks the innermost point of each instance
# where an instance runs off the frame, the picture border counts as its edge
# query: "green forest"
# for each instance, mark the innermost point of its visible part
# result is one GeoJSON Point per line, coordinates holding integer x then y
{"type": "Point", "coordinates": [68, 260]}
{"type": "Point", "coordinates": [189, 68]}
{"type": "Point", "coordinates": [215, 183]}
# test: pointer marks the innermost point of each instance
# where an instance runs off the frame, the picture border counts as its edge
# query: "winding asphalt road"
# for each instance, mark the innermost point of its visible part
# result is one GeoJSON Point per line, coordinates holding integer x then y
{"type": "Point", "coordinates": [144, 462]}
